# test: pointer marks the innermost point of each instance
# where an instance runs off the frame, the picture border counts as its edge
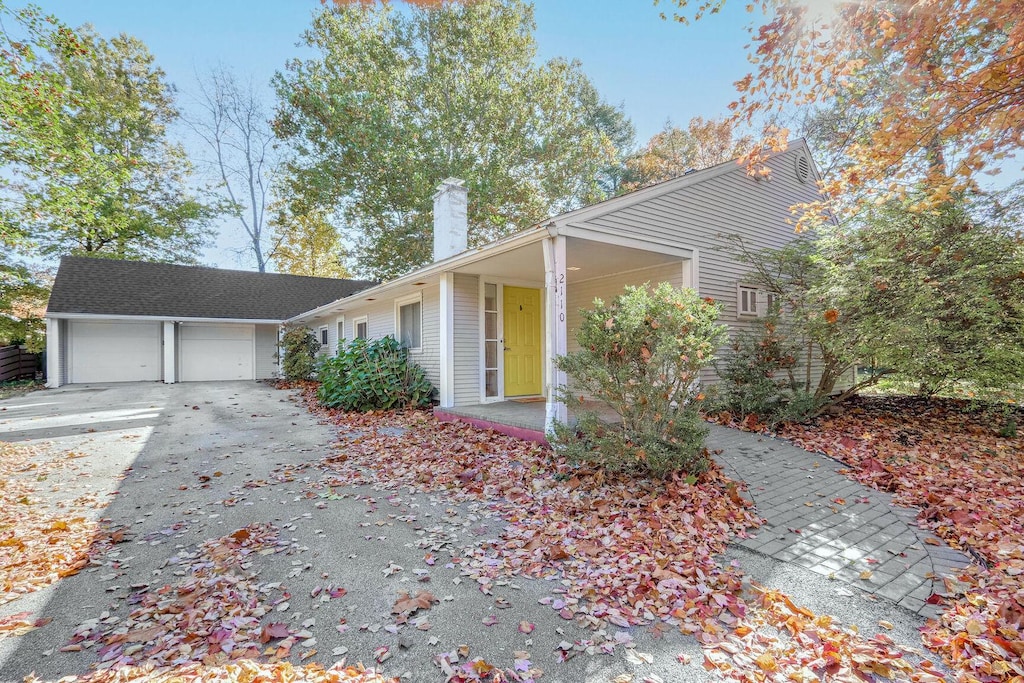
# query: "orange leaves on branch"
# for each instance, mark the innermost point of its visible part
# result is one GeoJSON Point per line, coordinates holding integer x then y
{"type": "Point", "coordinates": [927, 91]}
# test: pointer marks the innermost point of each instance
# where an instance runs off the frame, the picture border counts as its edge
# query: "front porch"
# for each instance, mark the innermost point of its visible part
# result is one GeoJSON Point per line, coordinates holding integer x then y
{"type": "Point", "coordinates": [506, 316]}
{"type": "Point", "coordinates": [522, 418]}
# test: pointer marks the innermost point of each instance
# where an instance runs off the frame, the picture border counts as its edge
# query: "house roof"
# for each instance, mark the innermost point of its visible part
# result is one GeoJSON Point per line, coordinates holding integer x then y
{"type": "Point", "coordinates": [560, 224]}
{"type": "Point", "coordinates": [100, 286]}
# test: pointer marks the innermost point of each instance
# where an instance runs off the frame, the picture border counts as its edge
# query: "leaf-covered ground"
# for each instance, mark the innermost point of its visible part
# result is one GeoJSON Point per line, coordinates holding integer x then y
{"type": "Point", "coordinates": [616, 556]}
{"type": "Point", "coordinates": [947, 459]}
{"type": "Point", "coordinates": [41, 541]}
{"type": "Point", "coordinates": [626, 551]}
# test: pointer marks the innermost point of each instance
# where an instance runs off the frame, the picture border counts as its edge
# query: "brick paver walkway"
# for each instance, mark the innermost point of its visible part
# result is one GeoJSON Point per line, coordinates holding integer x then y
{"type": "Point", "coordinates": [796, 492]}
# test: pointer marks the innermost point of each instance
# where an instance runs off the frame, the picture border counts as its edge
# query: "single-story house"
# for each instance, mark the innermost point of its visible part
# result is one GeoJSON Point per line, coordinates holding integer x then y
{"type": "Point", "coordinates": [485, 323]}
{"type": "Point", "coordinates": [131, 321]}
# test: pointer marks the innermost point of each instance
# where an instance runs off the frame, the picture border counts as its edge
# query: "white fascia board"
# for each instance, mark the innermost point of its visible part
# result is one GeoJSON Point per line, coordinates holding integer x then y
{"type": "Point", "coordinates": [520, 239]}
{"type": "Point", "coordinates": [589, 232]}
{"type": "Point", "coordinates": [159, 318]}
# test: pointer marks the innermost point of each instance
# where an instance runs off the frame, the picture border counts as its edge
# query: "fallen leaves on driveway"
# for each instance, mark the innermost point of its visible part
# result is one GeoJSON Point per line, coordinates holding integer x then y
{"type": "Point", "coordinates": [40, 543]}
{"type": "Point", "coordinates": [629, 551]}
{"type": "Point", "coordinates": [620, 551]}
{"type": "Point", "coordinates": [968, 482]}
{"type": "Point", "coordinates": [244, 671]}
{"type": "Point", "coordinates": [213, 615]}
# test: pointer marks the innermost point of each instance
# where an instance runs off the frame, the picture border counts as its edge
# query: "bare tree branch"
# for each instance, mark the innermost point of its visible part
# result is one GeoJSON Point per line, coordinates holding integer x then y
{"type": "Point", "coordinates": [234, 125]}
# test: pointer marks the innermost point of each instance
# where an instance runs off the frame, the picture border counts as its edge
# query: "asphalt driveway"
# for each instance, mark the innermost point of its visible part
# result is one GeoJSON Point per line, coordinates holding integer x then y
{"type": "Point", "coordinates": [183, 464]}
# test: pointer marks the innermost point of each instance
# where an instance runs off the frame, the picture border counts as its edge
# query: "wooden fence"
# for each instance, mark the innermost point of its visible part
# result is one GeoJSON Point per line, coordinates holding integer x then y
{"type": "Point", "coordinates": [16, 363]}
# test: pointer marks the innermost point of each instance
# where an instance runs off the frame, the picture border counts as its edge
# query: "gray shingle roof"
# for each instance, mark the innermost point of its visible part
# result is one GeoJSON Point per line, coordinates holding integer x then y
{"type": "Point", "coordinates": [107, 287]}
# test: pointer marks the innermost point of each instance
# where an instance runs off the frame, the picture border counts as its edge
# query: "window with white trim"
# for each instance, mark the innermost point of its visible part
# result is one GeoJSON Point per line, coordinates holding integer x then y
{"type": "Point", "coordinates": [746, 301]}
{"type": "Point", "coordinates": [752, 302]}
{"type": "Point", "coordinates": [323, 337]}
{"type": "Point", "coordinates": [409, 321]}
{"type": "Point", "coordinates": [361, 327]}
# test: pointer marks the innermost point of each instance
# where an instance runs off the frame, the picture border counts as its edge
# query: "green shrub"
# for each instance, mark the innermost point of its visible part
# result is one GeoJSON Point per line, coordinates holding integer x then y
{"type": "Point", "coordinates": [758, 378]}
{"type": "Point", "coordinates": [641, 357]}
{"type": "Point", "coordinates": [300, 347]}
{"type": "Point", "coordinates": [373, 375]}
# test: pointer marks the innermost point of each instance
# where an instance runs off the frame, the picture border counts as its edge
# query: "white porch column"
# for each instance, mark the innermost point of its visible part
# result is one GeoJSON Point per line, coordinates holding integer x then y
{"type": "Point", "coordinates": [170, 353]}
{"type": "Point", "coordinates": [447, 313]}
{"type": "Point", "coordinates": [691, 272]}
{"type": "Point", "coordinates": [557, 333]}
{"type": "Point", "coordinates": [53, 345]}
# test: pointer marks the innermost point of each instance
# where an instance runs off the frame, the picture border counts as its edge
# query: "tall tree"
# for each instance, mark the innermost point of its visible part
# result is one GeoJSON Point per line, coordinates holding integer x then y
{"type": "Point", "coordinates": [673, 151]}
{"type": "Point", "coordinates": [308, 244]}
{"type": "Point", "coordinates": [235, 127]}
{"type": "Point", "coordinates": [98, 175]}
{"type": "Point", "coordinates": [23, 295]}
{"type": "Point", "coordinates": [393, 103]}
{"type": "Point", "coordinates": [932, 91]}
{"type": "Point", "coordinates": [32, 99]}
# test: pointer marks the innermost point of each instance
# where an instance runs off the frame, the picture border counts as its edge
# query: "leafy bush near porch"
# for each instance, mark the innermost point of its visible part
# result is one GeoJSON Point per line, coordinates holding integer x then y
{"type": "Point", "coordinates": [641, 356]}
{"type": "Point", "coordinates": [299, 346]}
{"type": "Point", "coordinates": [373, 375]}
{"type": "Point", "coordinates": [759, 378]}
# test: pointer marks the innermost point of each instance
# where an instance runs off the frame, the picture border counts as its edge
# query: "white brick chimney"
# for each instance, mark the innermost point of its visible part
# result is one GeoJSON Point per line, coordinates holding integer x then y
{"type": "Point", "coordinates": [451, 226]}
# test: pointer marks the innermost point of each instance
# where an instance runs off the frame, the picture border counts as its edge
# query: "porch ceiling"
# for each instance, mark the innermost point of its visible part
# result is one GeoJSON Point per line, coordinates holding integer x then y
{"type": "Point", "coordinates": [586, 259]}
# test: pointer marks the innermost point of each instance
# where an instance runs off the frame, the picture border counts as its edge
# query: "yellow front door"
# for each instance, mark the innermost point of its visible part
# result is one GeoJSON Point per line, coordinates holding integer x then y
{"type": "Point", "coordinates": [522, 341]}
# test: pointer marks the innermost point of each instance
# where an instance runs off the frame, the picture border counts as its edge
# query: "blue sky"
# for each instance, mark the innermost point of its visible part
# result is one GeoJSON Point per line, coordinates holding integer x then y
{"type": "Point", "coordinates": [657, 69]}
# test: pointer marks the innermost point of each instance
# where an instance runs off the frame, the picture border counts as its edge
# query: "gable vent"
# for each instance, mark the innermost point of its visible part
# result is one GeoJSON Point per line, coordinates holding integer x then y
{"type": "Point", "coordinates": [803, 168]}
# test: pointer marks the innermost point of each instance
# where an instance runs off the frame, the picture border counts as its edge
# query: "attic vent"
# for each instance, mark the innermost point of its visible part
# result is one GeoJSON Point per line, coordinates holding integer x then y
{"type": "Point", "coordinates": [803, 168]}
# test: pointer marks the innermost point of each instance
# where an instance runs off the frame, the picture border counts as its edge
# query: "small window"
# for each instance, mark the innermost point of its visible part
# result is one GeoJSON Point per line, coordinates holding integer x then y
{"type": "Point", "coordinates": [410, 322]}
{"type": "Point", "coordinates": [361, 328]}
{"type": "Point", "coordinates": [323, 336]}
{"type": "Point", "coordinates": [752, 302]}
{"type": "Point", "coordinates": [341, 332]}
{"type": "Point", "coordinates": [746, 304]}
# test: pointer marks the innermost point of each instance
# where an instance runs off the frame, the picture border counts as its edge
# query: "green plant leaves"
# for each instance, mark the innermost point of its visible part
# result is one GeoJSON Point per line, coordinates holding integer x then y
{"type": "Point", "coordinates": [373, 375]}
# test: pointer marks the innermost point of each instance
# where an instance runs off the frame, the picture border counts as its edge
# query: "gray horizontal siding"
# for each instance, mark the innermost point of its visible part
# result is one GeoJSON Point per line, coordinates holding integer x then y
{"type": "Point", "coordinates": [580, 295]}
{"type": "Point", "coordinates": [467, 339]}
{"type": "Point", "coordinates": [697, 216]}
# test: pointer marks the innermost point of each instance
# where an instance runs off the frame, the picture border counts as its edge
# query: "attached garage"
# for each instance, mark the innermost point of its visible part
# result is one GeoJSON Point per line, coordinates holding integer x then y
{"type": "Point", "coordinates": [209, 352]}
{"type": "Point", "coordinates": [113, 351]}
{"type": "Point", "coordinates": [132, 321]}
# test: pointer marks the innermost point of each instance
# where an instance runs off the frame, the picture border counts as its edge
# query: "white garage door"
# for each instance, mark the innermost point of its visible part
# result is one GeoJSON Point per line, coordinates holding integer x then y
{"type": "Point", "coordinates": [113, 352]}
{"type": "Point", "coordinates": [216, 352]}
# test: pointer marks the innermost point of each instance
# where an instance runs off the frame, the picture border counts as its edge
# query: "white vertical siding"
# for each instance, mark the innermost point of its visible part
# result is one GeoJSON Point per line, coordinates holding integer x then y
{"type": "Point", "coordinates": [467, 339]}
{"type": "Point", "coordinates": [266, 351]}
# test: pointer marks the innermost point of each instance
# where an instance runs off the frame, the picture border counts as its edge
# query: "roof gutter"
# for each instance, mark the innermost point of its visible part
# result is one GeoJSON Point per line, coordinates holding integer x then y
{"type": "Point", "coordinates": [520, 239]}
{"type": "Point", "coordinates": [158, 318]}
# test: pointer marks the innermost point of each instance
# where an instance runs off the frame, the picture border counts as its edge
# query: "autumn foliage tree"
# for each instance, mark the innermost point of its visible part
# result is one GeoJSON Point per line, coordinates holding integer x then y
{"type": "Point", "coordinates": [931, 91]}
{"type": "Point", "coordinates": [673, 151]}
{"type": "Point", "coordinates": [307, 244]}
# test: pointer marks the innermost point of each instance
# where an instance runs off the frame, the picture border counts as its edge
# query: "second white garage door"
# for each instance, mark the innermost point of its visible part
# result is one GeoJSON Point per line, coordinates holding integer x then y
{"type": "Point", "coordinates": [216, 352]}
